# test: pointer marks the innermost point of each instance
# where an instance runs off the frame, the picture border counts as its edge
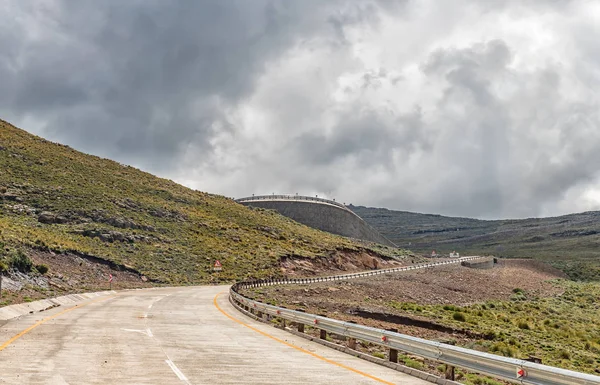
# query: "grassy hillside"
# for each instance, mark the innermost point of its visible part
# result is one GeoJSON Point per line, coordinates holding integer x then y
{"type": "Point", "coordinates": [570, 242]}
{"type": "Point", "coordinates": [56, 199]}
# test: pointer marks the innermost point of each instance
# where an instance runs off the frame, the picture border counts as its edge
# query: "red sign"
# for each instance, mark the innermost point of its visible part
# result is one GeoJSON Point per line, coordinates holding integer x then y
{"type": "Point", "coordinates": [217, 266]}
{"type": "Point", "coordinates": [110, 278]}
{"type": "Point", "coordinates": [520, 372]}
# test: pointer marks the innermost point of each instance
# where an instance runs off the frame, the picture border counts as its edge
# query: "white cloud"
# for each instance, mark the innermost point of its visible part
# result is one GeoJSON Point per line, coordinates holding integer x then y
{"type": "Point", "coordinates": [485, 109]}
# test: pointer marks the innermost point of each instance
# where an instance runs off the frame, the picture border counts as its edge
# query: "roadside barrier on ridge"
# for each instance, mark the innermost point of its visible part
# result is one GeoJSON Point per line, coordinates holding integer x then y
{"type": "Point", "coordinates": [511, 369]}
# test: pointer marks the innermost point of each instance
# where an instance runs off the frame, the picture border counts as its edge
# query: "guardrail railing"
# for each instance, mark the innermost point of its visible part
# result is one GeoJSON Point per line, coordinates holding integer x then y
{"type": "Point", "coordinates": [514, 370]}
{"type": "Point", "coordinates": [291, 197]}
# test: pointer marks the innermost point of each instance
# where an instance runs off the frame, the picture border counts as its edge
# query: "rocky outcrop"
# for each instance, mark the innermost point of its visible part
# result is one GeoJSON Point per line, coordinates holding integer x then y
{"type": "Point", "coordinates": [51, 218]}
{"type": "Point", "coordinates": [11, 195]}
{"type": "Point", "coordinates": [115, 236]}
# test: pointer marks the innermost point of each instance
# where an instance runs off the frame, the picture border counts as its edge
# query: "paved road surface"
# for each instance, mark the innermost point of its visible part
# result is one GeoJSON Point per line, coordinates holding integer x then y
{"type": "Point", "coordinates": [170, 336]}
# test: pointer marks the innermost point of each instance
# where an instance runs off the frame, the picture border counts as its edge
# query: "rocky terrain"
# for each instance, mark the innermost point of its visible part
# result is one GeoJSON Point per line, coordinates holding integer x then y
{"type": "Point", "coordinates": [67, 273]}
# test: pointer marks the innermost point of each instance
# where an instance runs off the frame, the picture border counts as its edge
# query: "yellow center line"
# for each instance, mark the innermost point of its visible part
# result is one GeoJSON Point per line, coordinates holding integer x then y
{"type": "Point", "coordinates": [43, 321]}
{"type": "Point", "coordinates": [297, 347]}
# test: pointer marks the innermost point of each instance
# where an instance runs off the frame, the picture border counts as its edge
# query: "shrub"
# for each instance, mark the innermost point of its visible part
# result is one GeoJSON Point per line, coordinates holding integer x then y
{"type": "Point", "coordinates": [20, 261]}
{"type": "Point", "coordinates": [42, 268]}
{"type": "Point", "coordinates": [520, 296]}
{"type": "Point", "coordinates": [413, 363]}
{"type": "Point", "coordinates": [564, 355]}
{"type": "Point", "coordinates": [379, 355]}
{"type": "Point", "coordinates": [523, 325]}
{"type": "Point", "coordinates": [490, 335]}
{"type": "Point", "coordinates": [458, 316]}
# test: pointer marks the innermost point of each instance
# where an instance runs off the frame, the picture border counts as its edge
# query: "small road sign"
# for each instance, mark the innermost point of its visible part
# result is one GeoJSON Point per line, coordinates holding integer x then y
{"type": "Point", "coordinates": [520, 373]}
{"type": "Point", "coordinates": [217, 266]}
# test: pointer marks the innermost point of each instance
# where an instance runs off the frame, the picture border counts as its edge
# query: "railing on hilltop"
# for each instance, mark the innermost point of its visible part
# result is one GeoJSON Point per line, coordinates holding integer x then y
{"type": "Point", "coordinates": [288, 197]}
{"type": "Point", "coordinates": [511, 369]}
{"type": "Point", "coordinates": [291, 197]}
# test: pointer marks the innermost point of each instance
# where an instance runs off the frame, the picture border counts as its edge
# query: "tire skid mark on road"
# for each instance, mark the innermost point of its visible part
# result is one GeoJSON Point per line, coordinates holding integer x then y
{"type": "Point", "coordinates": [297, 347]}
{"type": "Point", "coordinates": [43, 321]}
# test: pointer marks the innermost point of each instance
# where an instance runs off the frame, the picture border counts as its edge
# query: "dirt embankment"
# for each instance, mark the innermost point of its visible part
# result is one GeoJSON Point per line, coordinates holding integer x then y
{"type": "Point", "coordinates": [67, 273]}
{"type": "Point", "coordinates": [343, 261]}
{"type": "Point", "coordinates": [368, 301]}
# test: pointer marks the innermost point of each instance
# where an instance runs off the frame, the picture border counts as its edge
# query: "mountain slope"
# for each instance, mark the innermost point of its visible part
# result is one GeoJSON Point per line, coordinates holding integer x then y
{"type": "Point", "coordinates": [569, 242]}
{"type": "Point", "coordinates": [56, 199]}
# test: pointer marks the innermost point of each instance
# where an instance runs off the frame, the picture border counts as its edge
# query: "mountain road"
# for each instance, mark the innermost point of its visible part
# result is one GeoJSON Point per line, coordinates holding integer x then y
{"type": "Point", "coordinates": [180, 335]}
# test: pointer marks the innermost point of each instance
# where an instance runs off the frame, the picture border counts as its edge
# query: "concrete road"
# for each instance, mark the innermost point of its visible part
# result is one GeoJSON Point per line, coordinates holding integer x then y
{"type": "Point", "coordinates": [170, 336]}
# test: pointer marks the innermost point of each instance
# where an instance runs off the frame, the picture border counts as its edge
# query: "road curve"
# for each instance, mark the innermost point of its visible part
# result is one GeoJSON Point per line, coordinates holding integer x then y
{"type": "Point", "coordinates": [170, 336]}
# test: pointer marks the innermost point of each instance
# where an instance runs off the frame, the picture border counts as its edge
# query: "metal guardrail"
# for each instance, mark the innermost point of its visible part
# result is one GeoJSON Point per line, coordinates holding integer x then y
{"type": "Point", "coordinates": [479, 362]}
{"type": "Point", "coordinates": [291, 197]}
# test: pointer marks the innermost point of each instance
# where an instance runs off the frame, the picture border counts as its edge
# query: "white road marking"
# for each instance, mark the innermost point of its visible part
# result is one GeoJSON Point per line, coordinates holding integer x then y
{"type": "Point", "coordinates": [176, 370]}
{"type": "Point", "coordinates": [135, 330]}
{"type": "Point", "coordinates": [147, 332]}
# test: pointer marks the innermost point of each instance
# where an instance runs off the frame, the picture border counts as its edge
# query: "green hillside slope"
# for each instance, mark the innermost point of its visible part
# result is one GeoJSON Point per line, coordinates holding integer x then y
{"type": "Point", "coordinates": [569, 242]}
{"type": "Point", "coordinates": [57, 199]}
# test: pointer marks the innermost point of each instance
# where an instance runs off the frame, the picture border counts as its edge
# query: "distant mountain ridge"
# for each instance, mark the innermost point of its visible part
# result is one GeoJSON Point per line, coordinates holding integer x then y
{"type": "Point", "coordinates": [570, 242]}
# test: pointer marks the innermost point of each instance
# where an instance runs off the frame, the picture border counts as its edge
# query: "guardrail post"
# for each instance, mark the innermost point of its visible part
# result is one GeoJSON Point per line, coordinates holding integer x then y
{"type": "Point", "coordinates": [352, 343]}
{"type": "Point", "coordinates": [394, 356]}
{"type": "Point", "coordinates": [259, 314]}
{"type": "Point", "coordinates": [283, 321]}
{"type": "Point", "coordinates": [323, 334]}
{"type": "Point", "coordinates": [301, 325]}
{"type": "Point", "coordinates": [449, 372]}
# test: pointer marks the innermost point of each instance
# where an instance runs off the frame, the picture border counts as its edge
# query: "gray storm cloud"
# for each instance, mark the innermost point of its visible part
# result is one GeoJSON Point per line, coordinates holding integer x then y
{"type": "Point", "coordinates": [472, 109]}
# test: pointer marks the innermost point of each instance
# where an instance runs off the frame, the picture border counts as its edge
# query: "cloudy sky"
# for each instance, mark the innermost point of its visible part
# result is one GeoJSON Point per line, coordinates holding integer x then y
{"type": "Point", "coordinates": [486, 109]}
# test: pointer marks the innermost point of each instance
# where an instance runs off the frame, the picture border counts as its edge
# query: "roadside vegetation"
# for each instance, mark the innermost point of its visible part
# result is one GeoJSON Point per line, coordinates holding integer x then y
{"type": "Point", "coordinates": [562, 331]}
